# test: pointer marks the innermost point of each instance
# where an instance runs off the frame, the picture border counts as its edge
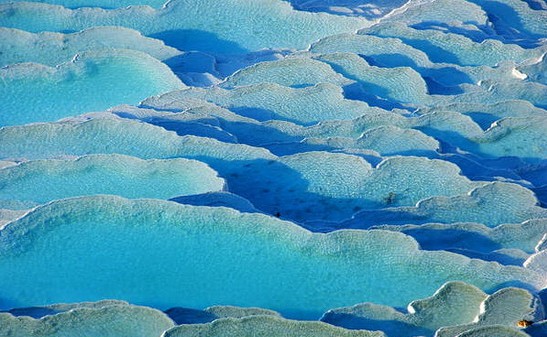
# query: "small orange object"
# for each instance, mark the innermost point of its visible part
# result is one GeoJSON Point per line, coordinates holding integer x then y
{"type": "Point", "coordinates": [524, 323]}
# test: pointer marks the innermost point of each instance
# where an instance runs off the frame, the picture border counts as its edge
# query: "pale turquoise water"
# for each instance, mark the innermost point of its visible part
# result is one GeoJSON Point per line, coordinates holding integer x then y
{"type": "Point", "coordinates": [162, 254]}
{"type": "Point", "coordinates": [94, 82]}
{"type": "Point", "coordinates": [47, 180]}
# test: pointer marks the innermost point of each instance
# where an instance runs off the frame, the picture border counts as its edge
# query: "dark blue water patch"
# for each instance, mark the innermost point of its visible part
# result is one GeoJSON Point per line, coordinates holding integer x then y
{"type": "Point", "coordinates": [257, 134]}
{"type": "Point", "coordinates": [199, 80]}
{"type": "Point", "coordinates": [514, 164]}
{"type": "Point", "coordinates": [203, 128]}
{"type": "Point", "coordinates": [500, 258]}
{"type": "Point", "coordinates": [537, 174]}
{"type": "Point", "coordinates": [510, 284]}
{"type": "Point", "coordinates": [473, 35]}
{"type": "Point", "coordinates": [372, 94]}
{"type": "Point", "coordinates": [537, 330]}
{"type": "Point", "coordinates": [273, 187]}
{"type": "Point", "coordinates": [451, 238]}
{"type": "Point", "coordinates": [194, 128]}
{"type": "Point", "coordinates": [509, 34]}
{"type": "Point", "coordinates": [124, 114]}
{"type": "Point", "coordinates": [508, 24]}
{"type": "Point", "coordinates": [190, 316]}
{"type": "Point", "coordinates": [366, 219]}
{"type": "Point", "coordinates": [471, 167]}
{"type": "Point", "coordinates": [382, 6]}
{"type": "Point", "coordinates": [190, 63]}
{"type": "Point", "coordinates": [193, 61]}
{"type": "Point", "coordinates": [414, 153]}
{"type": "Point", "coordinates": [371, 159]}
{"type": "Point", "coordinates": [448, 76]}
{"type": "Point", "coordinates": [362, 91]}
{"type": "Point", "coordinates": [199, 40]}
{"type": "Point", "coordinates": [34, 312]}
{"type": "Point", "coordinates": [435, 88]}
{"type": "Point", "coordinates": [537, 4]}
{"type": "Point", "coordinates": [254, 134]}
{"type": "Point", "coordinates": [258, 114]}
{"type": "Point", "coordinates": [194, 316]}
{"type": "Point", "coordinates": [542, 294]}
{"type": "Point", "coordinates": [389, 60]}
{"type": "Point", "coordinates": [217, 199]}
{"type": "Point", "coordinates": [450, 140]}
{"type": "Point", "coordinates": [226, 66]}
{"type": "Point", "coordinates": [435, 53]}
{"type": "Point", "coordinates": [264, 115]}
{"type": "Point", "coordinates": [483, 119]}
{"type": "Point", "coordinates": [505, 19]}
{"type": "Point", "coordinates": [472, 244]}
{"type": "Point", "coordinates": [514, 169]}
{"type": "Point", "coordinates": [391, 328]}
{"type": "Point", "coordinates": [290, 148]}
{"type": "Point", "coordinates": [541, 195]}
